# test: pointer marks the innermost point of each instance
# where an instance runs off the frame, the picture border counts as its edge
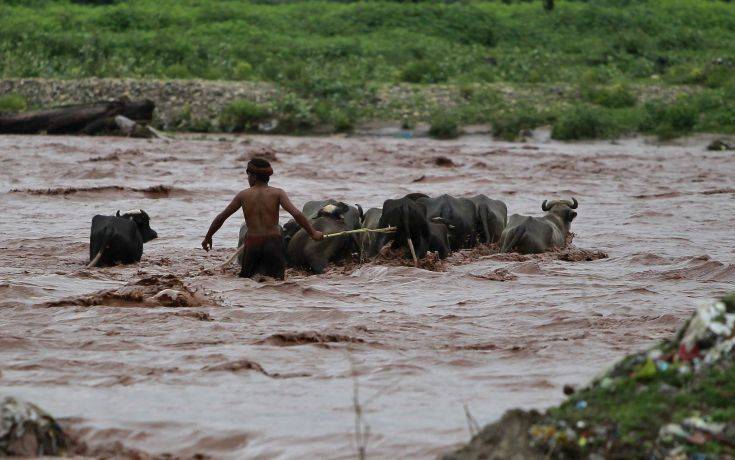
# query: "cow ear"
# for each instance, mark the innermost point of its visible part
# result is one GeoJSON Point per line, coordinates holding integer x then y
{"type": "Point", "coordinates": [118, 213]}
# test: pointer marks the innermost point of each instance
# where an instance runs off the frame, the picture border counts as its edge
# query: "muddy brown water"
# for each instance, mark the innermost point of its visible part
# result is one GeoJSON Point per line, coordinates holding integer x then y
{"type": "Point", "coordinates": [265, 370]}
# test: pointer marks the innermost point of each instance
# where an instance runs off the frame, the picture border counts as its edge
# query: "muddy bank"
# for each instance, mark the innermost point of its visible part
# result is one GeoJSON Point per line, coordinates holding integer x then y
{"type": "Point", "coordinates": [671, 401]}
{"type": "Point", "coordinates": [487, 330]}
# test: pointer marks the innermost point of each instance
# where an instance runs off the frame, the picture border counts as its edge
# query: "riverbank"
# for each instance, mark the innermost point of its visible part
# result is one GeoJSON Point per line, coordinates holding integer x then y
{"type": "Point", "coordinates": [511, 112]}
{"type": "Point", "coordinates": [675, 400]}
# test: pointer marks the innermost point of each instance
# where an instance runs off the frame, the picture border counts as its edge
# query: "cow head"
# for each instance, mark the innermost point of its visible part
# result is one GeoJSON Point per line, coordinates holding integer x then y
{"type": "Point", "coordinates": [335, 211]}
{"type": "Point", "coordinates": [563, 209]}
{"type": "Point", "coordinates": [142, 221]}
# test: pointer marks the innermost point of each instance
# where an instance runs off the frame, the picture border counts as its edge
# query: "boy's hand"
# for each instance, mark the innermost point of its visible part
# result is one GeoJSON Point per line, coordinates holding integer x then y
{"type": "Point", "coordinates": [207, 243]}
{"type": "Point", "coordinates": [317, 235]}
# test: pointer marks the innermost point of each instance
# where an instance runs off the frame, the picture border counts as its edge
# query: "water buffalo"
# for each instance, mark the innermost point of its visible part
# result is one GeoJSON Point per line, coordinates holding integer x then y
{"type": "Point", "coordinates": [369, 241]}
{"type": "Point", "coordinates": [119, 238]}
{"type": "Point", "coordinates": [353, 217]}
{"type": "Point", "coordinates": [490, 218]}
{"type": "Point", "coordinates": [305, 252]}
{"type": "Point", "coordinates": [531, 235]}
{"type": "Point", "coordinates": [439, 238]}
{"type": "Point", "coordinates": [408, 215]}
{"type": "Point", "coordinates": [459, 214]}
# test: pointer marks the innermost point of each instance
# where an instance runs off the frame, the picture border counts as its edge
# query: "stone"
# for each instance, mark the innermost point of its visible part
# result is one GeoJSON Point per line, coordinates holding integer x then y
{"type": "Point", "coordinates": [26, 430]}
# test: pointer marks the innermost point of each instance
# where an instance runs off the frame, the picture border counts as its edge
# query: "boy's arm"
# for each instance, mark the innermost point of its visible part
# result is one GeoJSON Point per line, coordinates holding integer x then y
{"type": "Point", "coordinates": [299, 217]}
{"type": "Point", "coordinates": [234, 205]}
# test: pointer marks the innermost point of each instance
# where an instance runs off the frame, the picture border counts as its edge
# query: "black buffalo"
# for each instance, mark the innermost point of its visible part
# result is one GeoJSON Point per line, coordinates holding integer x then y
{"type": "Point", "coordinates": [531, 235]}
{"type": "Point", "coordinates": [459, 215]}
{"type": "Point", "coordinates": [491, 216]}
{"type": "Point", "coordinates": [304, 252]}
{"type": "Point", "coordinates": [119, 238]}
{"type": "Point", "coordinates": [439, 238]}
{"type": "Point", "coordinates": [408, 215]}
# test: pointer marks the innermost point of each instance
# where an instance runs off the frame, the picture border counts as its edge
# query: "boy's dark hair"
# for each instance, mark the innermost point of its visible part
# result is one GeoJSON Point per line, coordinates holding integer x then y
{"type": "Point", "coordinates": [261, 169]}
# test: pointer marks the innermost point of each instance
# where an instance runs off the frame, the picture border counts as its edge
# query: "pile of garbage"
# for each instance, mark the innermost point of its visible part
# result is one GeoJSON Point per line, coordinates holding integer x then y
{"type": "Point", "coordinates": [673, 401]}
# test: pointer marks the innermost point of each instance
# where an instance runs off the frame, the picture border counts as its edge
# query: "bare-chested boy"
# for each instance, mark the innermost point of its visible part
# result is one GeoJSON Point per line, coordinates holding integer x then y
{"type": "Point", "coordinates": [264, 252]}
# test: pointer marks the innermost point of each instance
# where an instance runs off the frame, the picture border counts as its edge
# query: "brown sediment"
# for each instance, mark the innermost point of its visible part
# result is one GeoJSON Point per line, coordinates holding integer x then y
{"type": "Point", "coordinates": [494, 330]}
{"type": "Point", "coordinates": [289, 339]}
{"type": "Point", "coordinates": [263, 152]}
{"type": "Point", "coordinates": [161, 291]}
{"type": "Point", "coordinates": [154, 191]}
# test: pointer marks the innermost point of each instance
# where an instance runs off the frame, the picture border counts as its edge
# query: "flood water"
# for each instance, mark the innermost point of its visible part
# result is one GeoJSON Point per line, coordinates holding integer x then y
{"type": "Point", "coordinates": [267, 370]}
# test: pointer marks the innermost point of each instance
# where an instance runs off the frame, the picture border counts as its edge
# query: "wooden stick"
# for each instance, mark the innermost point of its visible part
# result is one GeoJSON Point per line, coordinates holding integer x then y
{"type": "Point", "coordinates": [232, 257]}
{"type": "Point", "coordinates": [413, 253]}
{"type": "Point", "coordinates": [329, 235]}
{"type": "Point", "coordinates": [362, 230]}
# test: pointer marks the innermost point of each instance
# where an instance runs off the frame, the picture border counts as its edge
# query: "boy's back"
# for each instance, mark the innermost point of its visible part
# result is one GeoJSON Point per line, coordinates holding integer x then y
{"type": "Point", "coordinates": [260, 207]}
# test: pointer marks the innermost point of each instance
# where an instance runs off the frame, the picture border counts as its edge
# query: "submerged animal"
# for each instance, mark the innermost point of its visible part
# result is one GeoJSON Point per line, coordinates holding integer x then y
{"type": "Point", "coordinates": [491, 216]}
{"type": "Point", "coordinates": [408, 215]}
{"type": "Point", "coordinates": [304, 252]}
{"type": "Point", "coordinates": [532, 235]}
{"type": "Point", "coordinates": [459, 214]}
{"type": "Point", "coordinates": [119, 238]}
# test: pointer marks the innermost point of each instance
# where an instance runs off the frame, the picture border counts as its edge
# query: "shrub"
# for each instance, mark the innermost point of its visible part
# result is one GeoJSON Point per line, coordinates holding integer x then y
{"type": "Point", "coordinates": [295, 114]}
{"type": "Point", "coordinates": [668, 121]}
{"type": "Point", "coordinates": [514, 125]}
{"type": "Point", "coordinates": [12, 103]}
{"type": "Point", "coordinates": [444, 125]}
{"type": "Point", "coordinates": [242, 71]}
{"type": "Point", "coordinates": [612, 97]}
{"type": "Point", "coordinates": [342, 122]}
{"type": "Point", "coordinates": [581, 122]}
{"type": "Point", "coordinates": [242, 116]}
{"type": "Point", "coordinates": [423, 72]}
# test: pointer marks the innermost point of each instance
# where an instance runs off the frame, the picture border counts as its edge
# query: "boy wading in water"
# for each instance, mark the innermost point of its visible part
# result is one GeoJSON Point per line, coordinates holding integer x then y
{"type": "Point", "coordinates": [264, 252]}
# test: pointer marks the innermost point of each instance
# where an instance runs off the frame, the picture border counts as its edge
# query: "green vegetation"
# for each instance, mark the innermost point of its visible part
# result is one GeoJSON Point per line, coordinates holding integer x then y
{"type": "Point", "coordinates": [619, 61]}
{"type": "Point", "coordinates": [12, 103]}
{"type": "Point", "coordinates": [444, 126]}
{"type": "Point", "coordinates": [675, 400]}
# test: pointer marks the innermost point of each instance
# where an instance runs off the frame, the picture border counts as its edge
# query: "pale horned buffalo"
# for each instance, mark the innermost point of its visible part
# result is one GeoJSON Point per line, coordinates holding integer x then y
{"type": "Point", "coordinates": [532, 235]}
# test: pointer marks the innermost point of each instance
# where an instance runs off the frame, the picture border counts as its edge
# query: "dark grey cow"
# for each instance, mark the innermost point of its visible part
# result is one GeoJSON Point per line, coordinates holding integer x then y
{"type": "Point", "coordinates": [439, 238]}
{"type": "Point", "coordinates": [408, 215]}
{"type": "Point", "coordinates": [369, 241]}
{"type": "Point", "coordinates": [353, 217]}
{"type": "Point", "coordinates": [458, 214]}
{"type": "Point", "coordinates": [491, 216]}
{"type": "Point", "coordinates": [304, 252]}
{"type": "Point", "coordinates": [531, 235]}
{"type": "Point", "coordinates": [119, 238]}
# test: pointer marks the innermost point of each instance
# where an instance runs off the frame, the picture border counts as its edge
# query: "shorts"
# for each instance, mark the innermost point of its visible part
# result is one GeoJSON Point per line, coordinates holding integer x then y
{"type": "Point", "coordinates": [264, 255]}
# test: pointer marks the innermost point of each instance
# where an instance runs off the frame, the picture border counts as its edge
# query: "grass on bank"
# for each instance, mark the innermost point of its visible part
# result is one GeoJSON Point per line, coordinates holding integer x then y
{"type": "Point", "coordinates": [331, 59]}
{"type": "Point", "coordinates": [638, 407]}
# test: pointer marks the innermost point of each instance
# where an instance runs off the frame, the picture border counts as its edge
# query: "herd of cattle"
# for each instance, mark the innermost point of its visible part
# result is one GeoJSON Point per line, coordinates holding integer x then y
{"type": "Point", "coordinates": [441, 224]}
